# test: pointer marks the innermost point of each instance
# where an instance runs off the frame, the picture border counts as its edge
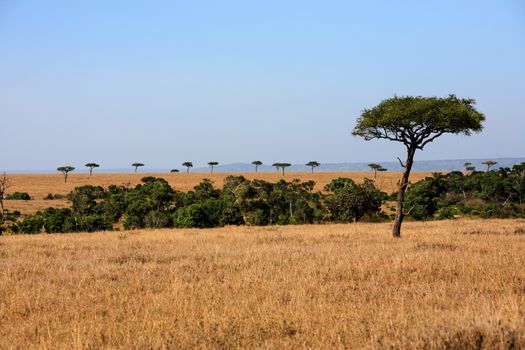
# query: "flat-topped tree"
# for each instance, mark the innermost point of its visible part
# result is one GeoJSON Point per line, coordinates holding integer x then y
{"type": "Point", "coordinates": [313, 164]}
{"type": "Point", "coordinates": [91, 166]}
{"type": "Point", "coordinates": [281, 166]}
{"type": "Point", "coordinates": [188, 165]}
{"type": "Point", "coordinates": [65, 170]}
{"type": "Point", "coordinates": [212, 164]}
{"type": "Point", "coordinates": [137, 165]}
{"type": "Point", "coordinates": [415, 122]}
{"type": "Point", "coordinates": [375, 167]}
{"type": "Point", "coordinates": [467, 165]}
{"type": "Point", "coordinates": [174, 170]}
{"type": "Point", "coordinates": [489, 164]}
{"type": "Point", "coordinates": [470, 169]}
{"type": "Point", "coordinates": [257, 163]}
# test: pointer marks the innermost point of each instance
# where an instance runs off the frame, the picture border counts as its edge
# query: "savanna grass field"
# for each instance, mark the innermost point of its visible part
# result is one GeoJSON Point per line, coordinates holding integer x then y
{"type": "Point", "coordinates": [456, 284]}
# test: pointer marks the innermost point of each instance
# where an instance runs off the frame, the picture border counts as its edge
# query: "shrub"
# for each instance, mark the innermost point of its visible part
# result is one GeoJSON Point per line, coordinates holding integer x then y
{"type": "Point", "coordinates": [18, 196]}
{"type": "Point", "coordinates": [31, 224]}
{"type": "Point", "coordinates": [157, 219]}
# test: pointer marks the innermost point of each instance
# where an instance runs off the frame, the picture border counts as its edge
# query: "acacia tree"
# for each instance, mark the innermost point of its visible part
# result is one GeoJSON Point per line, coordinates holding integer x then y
{"type": "Point", "coordinates": [375, 168]}
{"type": "Point", "coordinates": [91, 166]}
{"type": "Point", "coordinates": [416, 122]}
{"type": "Point", "coordinates": [188, 165]}
{"type": "Point", "coordinates": [65, 170]}
{"type": "Point", "coordinates": [467, 165]}
{"type": "Point", "coordinates": [212, 164]}
{"type": "Point", "coordinates": [313, 164]}
{"type": "Point", "coordinates": [137, 165]}
{"type": "Point", "coordinates": [4, 185]}
{"type": "Point", "coordinates": [281, 166]}
{"type": "Point", "coordinates": [256, 163]}
{"type": "Point", "coordinates": [470, 169]}
{"type": "Point", "coordinates": [174, 170]}
{"type": "Point", "coordinates": [489, 164]}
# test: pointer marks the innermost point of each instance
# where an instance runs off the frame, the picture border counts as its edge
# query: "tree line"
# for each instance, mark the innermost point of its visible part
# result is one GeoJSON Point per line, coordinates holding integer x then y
{"type": "Point", "coordinates": [155, 204]}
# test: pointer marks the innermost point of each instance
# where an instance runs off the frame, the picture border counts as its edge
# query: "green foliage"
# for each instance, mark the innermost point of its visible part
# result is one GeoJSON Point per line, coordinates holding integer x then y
{"type": "Point", "coordinates": [19, 196]}
{"type": "Point", "coordinates": [351, 202]}
{"type": "Point", "coordinates": [31, 224]}
{"type": "Point", "coordinates": [487, 194]}
{"type": "Point", "coordinates": [419, 119]}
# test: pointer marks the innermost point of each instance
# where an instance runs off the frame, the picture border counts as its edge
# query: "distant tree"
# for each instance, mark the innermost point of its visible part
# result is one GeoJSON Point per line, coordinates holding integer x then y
{"type": "Point", "coordinates": [91, 166]}
{"type": "Point", "coordinates": [174, 170]}
{"type": "Point", "coordinates": [137, 165]}
{"type": "Point", "coordinates": [257, 163]}
{"type": "Point", "coordinates": [466, 165]}
{"type": "Point", "coordinates": [375, 167]}
{"type": "Point", "coordinates": [281, 166]}
{"type": "Point", "coordinates": [470, 169]}
{"type": "Point", "coordinates": [188, 165]}
{"type": "Point", "coordinates": [489, 164]}
{"type": "Point", "coordinates": [313, 164]}
{"type": "Point", "coordinates": [65, 170]}
{"type": "Point", "coordinates": [415, 122]}
{"type": "Point", "coordinates": [4, 185]}
{"type": "Point", "coordinates": [212, 164]}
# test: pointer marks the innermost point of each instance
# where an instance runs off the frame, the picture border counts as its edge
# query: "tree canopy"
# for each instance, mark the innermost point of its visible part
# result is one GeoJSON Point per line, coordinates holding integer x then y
{"type": "Point", "coordinates": [417, 121]}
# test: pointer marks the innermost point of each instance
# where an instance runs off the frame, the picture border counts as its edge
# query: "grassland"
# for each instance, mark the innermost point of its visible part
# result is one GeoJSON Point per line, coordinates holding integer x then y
{"type": "Point", "coordinates": [39, 185]}
{"type": "Point", "coordinates": [452, 284]}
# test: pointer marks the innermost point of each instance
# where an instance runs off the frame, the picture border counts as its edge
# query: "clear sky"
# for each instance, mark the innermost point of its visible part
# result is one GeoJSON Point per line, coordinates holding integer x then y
{"type": "Point", "coordinates": [162, 82]}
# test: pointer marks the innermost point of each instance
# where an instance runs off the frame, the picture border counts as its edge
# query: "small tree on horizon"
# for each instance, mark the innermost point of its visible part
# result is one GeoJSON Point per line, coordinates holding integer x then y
{"type": "Point", "coordinates": [375, 168]}
{"type": "Point", "coordinates": [65, 170]}
{"type": "Point", "coordinates": [313, 164]}
{"type": "Point", "coordinates": [489, 164]}
{"type": "Point", "coordinates": [281, 166]}
{"type": "Point", "coordinates": [212, 164]}
{"type": "Point", "coordinates": [91, 166]}
{"type": "Point", "coordinates": [188, 165]}
{"type": "Point", "coordinates": [470, 169]}
{"type": "Point", "coordinates": [467, 165]}
{"type": "Point", "coordinates": [416, 122]}
{"type": "Point", "coordinates": [257, 163]}
{"type": "Point", "coordinates": [174, 170]}
{"type": "Point", "coordinates": [136, 165]}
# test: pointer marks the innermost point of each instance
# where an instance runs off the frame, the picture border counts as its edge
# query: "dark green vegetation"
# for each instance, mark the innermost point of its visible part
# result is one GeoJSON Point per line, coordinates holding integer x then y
{"type": "Point", "coordinates": [497, 194]}
{"type": "Point", "coordinates": [416, 122]}
{"type": "Point", "coordinates": [19, 196]}
{"type": "Point", "coordinates": [154, 204]}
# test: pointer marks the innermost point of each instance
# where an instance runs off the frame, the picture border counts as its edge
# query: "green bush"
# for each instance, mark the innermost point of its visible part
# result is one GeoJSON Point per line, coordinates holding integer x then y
{"type": "Point", "coordinates": [18, 196]}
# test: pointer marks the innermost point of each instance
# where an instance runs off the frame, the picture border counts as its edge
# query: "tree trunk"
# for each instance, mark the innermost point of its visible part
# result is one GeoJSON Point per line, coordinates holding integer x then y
{"type": "Point", "coordinates": [187, 169]}
{"type": "Point", "coordinates": [90, 171]}
{"type": "Point", "coordinates": [212, 169]}
{"type": "Point", "coordinates": [283, 171]}
{"type": "Point", "coordinates": [396, 230]}
{"type": "Point", "coordinates": [256, 168]}
{"type": "Point", "coordinates": [65, 177]}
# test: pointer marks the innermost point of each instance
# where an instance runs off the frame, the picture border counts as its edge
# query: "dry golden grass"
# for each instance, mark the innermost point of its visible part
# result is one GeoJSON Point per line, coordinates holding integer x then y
{"type": "Point", "coordinates": [39, 185]}
{"type": "Point", "coordinates": [453, 284]}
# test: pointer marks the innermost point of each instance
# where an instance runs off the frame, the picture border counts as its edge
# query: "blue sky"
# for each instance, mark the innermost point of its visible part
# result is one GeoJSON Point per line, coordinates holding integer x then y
{"type": "Point", "coordinates": [162, 82]}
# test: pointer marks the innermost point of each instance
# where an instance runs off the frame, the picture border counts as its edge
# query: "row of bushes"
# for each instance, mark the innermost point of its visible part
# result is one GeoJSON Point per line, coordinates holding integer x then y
{"type": "Point", "coordinates": [485, 194]}
{"type": "Point", "coordinates": [154, 204]}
